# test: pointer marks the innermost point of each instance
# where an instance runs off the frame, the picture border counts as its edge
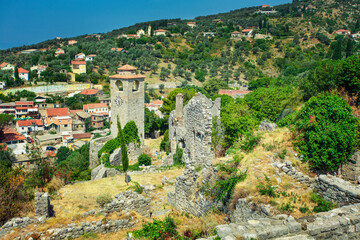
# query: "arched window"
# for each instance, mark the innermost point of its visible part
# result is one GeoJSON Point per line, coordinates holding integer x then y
{"type": "Point", "coordinates": [135, 86]}
{"type": "Point", "coordinates": [119, 85]}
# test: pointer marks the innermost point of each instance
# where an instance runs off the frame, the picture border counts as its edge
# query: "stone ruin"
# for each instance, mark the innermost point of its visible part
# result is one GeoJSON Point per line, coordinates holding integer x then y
{"type": "Point", "coordinates": [190, 128]}
{"type": "Point", "coordinates": [42, 205]}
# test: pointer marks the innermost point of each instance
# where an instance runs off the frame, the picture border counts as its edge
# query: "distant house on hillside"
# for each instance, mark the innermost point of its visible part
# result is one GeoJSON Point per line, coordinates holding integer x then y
{"type": "Point", "coordinates": [23, 74]}
{"type": "Point", "coordinates": [2, 85]}
{"type": "Point", "coordinates": [234, 93]}
{"type": "Point", "coordinates": [247, 32]}
{"type": "Point", "coordinates": [79, 56]}
{"type": "Point", "coordinates": [342, 32]}
{"type": "Point", "coordinates": [14, 140]}
{"type": "Point", "coordinates": [7, 66]}
{"type": "Point", "coordinates": [90, 92]}
{"type": "Point", "coordinates": [118, 49]}
{"type": "Point", "coordinates": [96, 108]}
{"type": "Point", "coordinates": [78, 67]}
{"type": "Point", "coordinates": [217, 20]}
{"type": "Point", "coordinates": [90, 57]}
{"type": "Point", "coordinates": [71, 42]}
{"type": "Point", "coordinates": [59, 51]}
{"type": "Point", "coordinates": [236, 34]}
{"type": "Point", "coordinates": [191, 24]}
{"type": "Point", "coordinates": [28, 51]}
{"type": "Point", "coordinates": [26, 127]}
{"type": "Point", "coordinates": [58, 119]}
{"type": "Point", "coordinates": [39, 69]}
{"type": "Point", "coordinates": [209, 34]}
{"type": "Point", "coordinates": [25, 109]}
{"type": "Point", "coordinates": [160, 32]}
{"type": "Point", "coordinates": [355, 35]}
{"type": "Point", "coordinates": [140, 32]}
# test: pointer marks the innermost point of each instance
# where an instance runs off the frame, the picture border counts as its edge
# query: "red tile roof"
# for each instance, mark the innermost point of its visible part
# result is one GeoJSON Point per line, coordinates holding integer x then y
{"type": "Point", "coordinates": [117, 49]}
{"type": "Point", "coordinates": [127, 76]}
{"type": "Point", "coordinates": [56, 112]}
{"type": "Point", "coordinates": [94, 105]}
{"type": "Point", "coordinates": [157, 102]}
{"type": "Point", "coordinates": [233, 92]}
{"type": "Point", "coordinates": [89, 92]}
{"type": "Point", "coordinates": [246, 30]}
{"type": "Point", "coordinates": [160, 30]}
{"type": "Point", "coordinates": [19, 103]}
{"type": "Point", "coordinates": [30, 122]}
{"type": "Point", "coordinates": [342, 30]}
{"type": "Point", "coordinates": [191, 23]}
{"type": "Point", "coordinates": [21, 70]}
{"type": "Point", "coordinates": [50, 153]}
{"type": "Point", "coordinates": [127, 67]}
{"type": "Point", "coordinates": [78, 54]}
{"type": "Point", "coordinates": [236, 32]}
{"type": "Point", "coordinates": [73, 112]}
{"type": "Point", "coordinates": [78, 62]}
{"type": "Point", "coordinates": [81, 135]}
{"type": "Point", "coordinates": [3, 64]}
{"type": "Point", "coordinates": [11, 134]}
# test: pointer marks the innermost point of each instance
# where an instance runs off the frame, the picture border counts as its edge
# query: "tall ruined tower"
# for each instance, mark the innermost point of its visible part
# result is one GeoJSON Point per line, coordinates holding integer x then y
{"type": "Point", "coordinates": [127, 99]}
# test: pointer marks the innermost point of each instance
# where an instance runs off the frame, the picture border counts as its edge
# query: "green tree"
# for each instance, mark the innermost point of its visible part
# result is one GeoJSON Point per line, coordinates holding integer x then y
{"type": "Point", "coordinates": [62, 154]}
{"type": "Point", "coordinates": [124, 153]}
{"type": "Point", "coordinates": [161, 87]}
{"type": "Point", "coordinates": [144, 159]}
{"type": "Point", "coordinates": [326, 132]}
{"type": "Point", "coordinates": [213, 85]}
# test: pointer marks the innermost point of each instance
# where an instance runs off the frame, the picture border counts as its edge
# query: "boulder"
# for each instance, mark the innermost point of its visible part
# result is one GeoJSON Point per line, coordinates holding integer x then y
{"type": "Point", "coordinates": [267, 126]}
{"type": "Point", "coordinates": [115, 157]}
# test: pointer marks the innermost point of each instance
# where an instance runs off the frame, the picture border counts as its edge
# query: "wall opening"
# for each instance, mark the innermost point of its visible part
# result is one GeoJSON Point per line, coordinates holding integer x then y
{"type": "Point", "coordinates": [135, 86]}
{"type": "Point", "coordinates": [119, 85]}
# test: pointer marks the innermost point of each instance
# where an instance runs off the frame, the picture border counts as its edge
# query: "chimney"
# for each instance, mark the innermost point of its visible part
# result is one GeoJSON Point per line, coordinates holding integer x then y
{"type": "Point", "coordinates": [179, 106]}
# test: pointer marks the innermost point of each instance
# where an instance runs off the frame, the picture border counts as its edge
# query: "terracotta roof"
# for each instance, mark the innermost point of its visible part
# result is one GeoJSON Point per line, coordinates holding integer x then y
{"type": "Point", "coordinates": [237, 32]}
{"type": "Point", "coordinates": [81, 135]}
{"type": "Point", "coordinates": [89, 92]}
{"type": "Point", "coordinates": [127, 67]}
{"type": "Point", "coordinates": [19, 103]}
{"type": "Point", "coordinates": [26, 108]}
{"type": "Point", "coordinates": [233, 92]}
{"type": "Point", "coordinates": [74, 112]}
{"type": "Point", "coordinates": [94, 105]}
{"type": "Point", "coordinates": [21, 70]}
{"type": "Point", "coordinates": [157, 102]}
{"type": "Point", "coordinates": [117, 49]}
{"type": "Point", "coordinates": [342, 30]}
{"type": "Point", "coordinates": [160, 30]}
{"type": "Point", "coordinates": [3, 64]}
{"type": "Point", "coordinates": [117, 76]}
{"type": "Point", "coordinates": [78, 54]}
{"type": "Point", "coordinates": [78, 62]}
{"type": "Point", "coordinates": [56, 112]}
{"type": "Point", "coordinates": [30, 122]}
{"type": "Point", "coordinates": [11, 134]}
{"type": "Point", "coordinates": [191, 23]}
{"type": "Point", "coordinates": [91, 55]}
{"type": "Point", "coordinates": [50, 153]}
{"type": "Point", "coordinates": [246, 30]}
{"type": "Point", "coordinates": [265, 5]}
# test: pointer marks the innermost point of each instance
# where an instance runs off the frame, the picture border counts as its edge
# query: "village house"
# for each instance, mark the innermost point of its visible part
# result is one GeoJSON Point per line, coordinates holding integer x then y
{"type": "Point", "coordinates": [2, 85]}
{"type": "Point", "coordinates": [265, 6]}
{"type": "Point", "coordinates": [28, 51]}
{"type": "Point", "coordinates": [7, 66]}
{"type": "Point", "coordinates": [234, 93]}
{"type": "Point", "coordinates": [154, 105]}
{"type": "Point", "coordinates": [8, 108]}
{"type": "Point", "coordinates": [97, 120]}
{"type": "Point", "coordinates": [191, 24]}
{"type": "Point", "coordinates": [80, 56]}
{"type": "Point", "coordinates": [342, 32]}
{"type": "Point", "coordinates": [80, 122]}
{"type": "Point", "coordinates": [39, 69]}
{"type": "Point", "coordinates": [59, 51]}
{"type": "Point", "coordinates": [26, 127]}
{"type": "Point", "coordinates": [42, 106]}
{"type": "Point", "coordinates": [355, 35]}
{"type": "Point", "coordinates": [217, 20]}
{"type": "Point", "coordinates": [160, 32]}
{"type": "Point", "coordinates": [78, 67]}
{"type": "Point", "coordinates": [71, 42]}
{"type": "Point", "coordinates": [118, 49]}
{"type": "Point", "coordinates": [140, 32]}
{"type": "Point", "coordinates": [247, 32]}
{"type": "Point", "coordinates": [23, 74]}
{"type": "Point", "coordinates": [86, 137]}
{"type": "Point", "coordinates": [236, 34]}
{"type": "Point", "coordinates": [26, 109]}
{"type": "Point", "coordinates": [209, 34]}
{"type": "Point", "coordinates": [58, 119]}
{"type": "Point", "coordinates": [48, 139]}
{"type": "Point", "coordinates": [41, 98]}
{"type": "Point", "coordinates": [90, 57]}
{"type": "Point", "coordinates": [91, 92]}
{"type": "Point", "coordinates": [14, 140]}
{"type": "Point", "coordinates": [104, 99]}
{"type": "Point", "coordinates": [96, 108]}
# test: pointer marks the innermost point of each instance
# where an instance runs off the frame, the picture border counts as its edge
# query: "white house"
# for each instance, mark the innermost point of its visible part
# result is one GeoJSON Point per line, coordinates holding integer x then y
{"type": "Point", "coordinates": [79, 56]}
{"type": "Point", "coordinates": [38, 68]}
{"type": "Point", "coordinates": [6, 66]}
{"type": "Point", "coordinates": [96, 108]}
{"type": "Point", "coordinates": [191, 24]}
{"type": "Point", "coordinates": [90, 57]}
{"type": "Point", "coordinates": [160, 32]}
{"type": "Point", "coordinates": [209, 34]}
{"type": "Point", "coordinates": [247, 32]}
{"type": "Point", "coordinates": [140, 32]}
{"type": "Point", "coordinates": [59, 51]}
{"type": "Point", "coordinates": [342, 32]}
{"type": "Point", "coordinates": [14, 140]}
{"type": "Point", "coordinates": [2, 85]}
{"type": "Point", "coordinates": [236, 34]}
{"type": "Point", "coordinates": [26, 127]}
{"type": "Point", "coordinates": [23, 74]}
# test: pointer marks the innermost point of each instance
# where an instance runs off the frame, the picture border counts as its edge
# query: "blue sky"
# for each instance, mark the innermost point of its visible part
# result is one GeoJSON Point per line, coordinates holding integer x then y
{"type": "Point", "coordinates": [25, 22]}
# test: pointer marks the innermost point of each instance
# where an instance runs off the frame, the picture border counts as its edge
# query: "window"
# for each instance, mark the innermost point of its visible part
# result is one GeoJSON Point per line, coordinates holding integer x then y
{"type": "Point", "coordinates": [135, 86]}
{"type": "Point", "coordinates": [65, 125]}
{"type": "Point", "coordinates": [119, 84]}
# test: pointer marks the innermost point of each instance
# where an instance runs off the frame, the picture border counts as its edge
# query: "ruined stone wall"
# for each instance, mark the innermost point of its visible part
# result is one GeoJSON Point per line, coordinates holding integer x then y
{"type": "Point", "coordinates": [95, 146]}
{"type": "Point", "coordinates": [42, 205]}
{"type": "Point", "coordinates": [130, 201]}
{"type": "Point", "coordinates": [246, 210]}
{"type": "Point", "coordinates": [340, 223]}
{"type": "Point", "coordinates": [351, 170]}
{"type": "Point", "coordinates": [187, 196]}
{"type": "Point", "coordinates": [191, 129]}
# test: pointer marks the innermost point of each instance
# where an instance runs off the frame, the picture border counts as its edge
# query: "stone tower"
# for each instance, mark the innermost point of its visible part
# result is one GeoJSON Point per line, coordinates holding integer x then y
{"type": "Point", "coordinates": [127, 99]}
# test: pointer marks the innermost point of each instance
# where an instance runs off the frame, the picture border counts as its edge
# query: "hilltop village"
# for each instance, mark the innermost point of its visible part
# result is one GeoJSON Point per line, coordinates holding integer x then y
{"type": "Point", "coordinates": [238, 125]}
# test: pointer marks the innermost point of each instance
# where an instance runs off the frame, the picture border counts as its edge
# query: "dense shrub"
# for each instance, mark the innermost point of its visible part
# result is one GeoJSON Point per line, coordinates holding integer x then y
{"type": "Point", "coordinates": [158, 230]}
{"type": "Point", "coordinates": [249, 142]}
{"type": "Point", "coordinates": [103, 199]}
{"type": "Point", "coordinates": [326, 132]}
{"type": "Point", "coordinates": [144, 159]}
{"type": "Point", "coordinates": [177, 158]}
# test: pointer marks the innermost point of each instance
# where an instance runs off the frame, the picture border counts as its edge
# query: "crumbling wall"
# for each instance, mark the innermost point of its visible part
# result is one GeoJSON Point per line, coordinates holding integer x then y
{"type": "Point", "coordinates": [187, 196]}
{"type": "Point", "coordinates": [130, 201]}
{"type": "Point", "coordinates": [351, 170]}
{"type": "Point", "coordinates": [95, 146]}
{"type": "Point", "coordinates": [42, 205]}
{"type": "Point", "coordinates": [246, 210]}
{"type": "Point", "coordinates": [190, 128]}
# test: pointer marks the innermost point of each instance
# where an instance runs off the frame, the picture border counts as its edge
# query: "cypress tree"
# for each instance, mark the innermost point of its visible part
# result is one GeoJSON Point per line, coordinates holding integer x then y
{"type": "Point", "coordinates": [349, 48]}
{"type": "Point", "coordinates": [124, 154]}
{"type": "Point", "coordinates": [16, 74]}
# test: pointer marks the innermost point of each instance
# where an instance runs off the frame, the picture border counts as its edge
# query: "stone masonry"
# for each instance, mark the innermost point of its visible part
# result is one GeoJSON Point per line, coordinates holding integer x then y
{"type": "Point", "coordinates": [351, 170]}
{"type": "Point", "coordinates": [338, 224]}
{"type": "Point", "coordinates": [95, 146]}
{"type": "Point", "coordinates": [190, 128]}
{"type": "Point", "coordinates": [246, 210]}
{"type": "Point", "coordinates": [187, 196]}
{"type": "Point", "coordinates": [127, 99]}
{"type": "Point", "coordinates": [42, 205]}
{"type": "Point", "coordinates": [130, 201]}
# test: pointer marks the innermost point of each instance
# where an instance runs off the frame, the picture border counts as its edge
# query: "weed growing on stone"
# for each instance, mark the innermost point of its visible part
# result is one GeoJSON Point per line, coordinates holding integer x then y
{"type": "Point", "coordinates": [136, 187]}
{"type": "Point", "coordinates": [322, 204]}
